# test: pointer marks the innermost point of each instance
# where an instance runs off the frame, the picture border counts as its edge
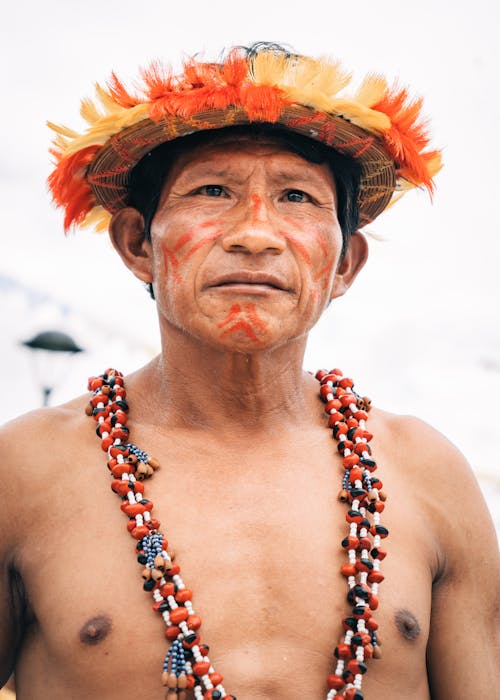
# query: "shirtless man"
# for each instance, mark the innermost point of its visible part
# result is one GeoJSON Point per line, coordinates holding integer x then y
{"type": "Point", "coordinates": [244, 242]}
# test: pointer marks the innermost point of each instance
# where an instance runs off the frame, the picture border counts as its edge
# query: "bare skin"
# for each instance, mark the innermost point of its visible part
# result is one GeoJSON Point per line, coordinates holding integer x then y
{"type": "Point", "coordinates": [247, 492]}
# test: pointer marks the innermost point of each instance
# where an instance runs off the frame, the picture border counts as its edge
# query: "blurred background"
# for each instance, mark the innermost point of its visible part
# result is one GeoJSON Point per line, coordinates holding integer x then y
{"type": "Point", "coordinates": [428, 299]}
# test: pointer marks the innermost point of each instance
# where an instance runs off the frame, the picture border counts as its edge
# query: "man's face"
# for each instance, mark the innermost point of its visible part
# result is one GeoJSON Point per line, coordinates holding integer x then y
{"type": "Point", "coordinates": [245, 244]}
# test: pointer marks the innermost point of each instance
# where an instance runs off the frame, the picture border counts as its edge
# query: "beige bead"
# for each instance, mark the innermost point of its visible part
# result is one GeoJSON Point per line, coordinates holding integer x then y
{"type": "Point", "coordinates": [172, 680]}
{"type": "Point", "coordinates": [382, 495]}
{"type": "Point", "coordinates": [372, 496]}
{"type": "Point", "coordinates": [159, 562]}
{"type": "Point", "coordinates": [377, 652]}
{"type": "Point", "coordinates": [181, 695]}
{"type": "Point", "coordinates": [89, 409]}
{"type": "Point", "coordinates": [146, 574]}
{"type": "Point", "coordinates": [153, 463]}
{"type": "Point", "coordinates": [156, 574]}
{"type": "Point", "coordinates": [164, 677]}
{"type": "Point", "coordinates": [171, 695]}
{"type": "Point", "coordinates": [171, 554]}
{"type": "Point", "coordinates": [182, 681]}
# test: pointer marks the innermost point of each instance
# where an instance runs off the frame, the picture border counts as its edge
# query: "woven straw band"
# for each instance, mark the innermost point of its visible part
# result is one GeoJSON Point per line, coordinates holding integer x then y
{"type": "Point", "coordinates": [380, 128]}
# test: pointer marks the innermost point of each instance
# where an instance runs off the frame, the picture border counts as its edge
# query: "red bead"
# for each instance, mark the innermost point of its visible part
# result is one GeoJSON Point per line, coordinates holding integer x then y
{"type": "Point", "coordinates": [356, 667]}
{"type": "Point", "coordinates": [167, 589]}
{"type": "Point", "coordinates": [342, 651]}
{"type": "Point", "coordinates": [106, 443]}
{"type": "Point", "coordinates": [364, 543]}
{"type": "Point", "coordinates": [172, 632]}
{"type": "Point", "coordinates": [132, 509]}
{"type": "Point", "coordinates": [200, 668]}
{"type": "Point", "coordinates": [123, 468]}
{"type": "Point", "coordinates": [334, 418]}
{"type": "Point", "coordinates": [332, 405]}
{"type": "Point", "coordinates": [351, 461]}
{"type": "Point", "coordinates": [194, 622]}
{"type": "Point", "coordinates": [348, 570]}
{"type": "Point", "coordinates": [178, 615]}
{"type": "Point", "coordinates": [140, 532]}
{"type": "Point", "coordinates": [183, 595]}
{"type": "Point", "coordinates": [325, 390]}
{"type": "Point", "coordinates": [352, 423]}
{"type": "Point", "coordinates": [335, 682]}
{"type": "Point", "coordinates": [373, 602]}
{"type": "Point", "coordinates": [120, 487]}
{"type": "Point", "coordinates": [216, 678]}
{"type": "Point", "coordinates": [375, 577]}
{"type": "Point", "coordinates": [372, 624]}
{"type": "Point", "coordinates": [346, 383]}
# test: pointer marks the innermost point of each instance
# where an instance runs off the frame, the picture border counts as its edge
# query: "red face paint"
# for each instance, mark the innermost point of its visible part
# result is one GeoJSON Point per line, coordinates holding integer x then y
{"type": "Point", "coordinates": [299, 246]}
{"type": "Point", "coordinates": [318, 237]}
{"type": "Point", "coordinates": [245, 320]}
{"type": "Point", "coordinates": [171, 255]}
{"type": "Point", "coordinates": [324, 273]}
{"type": "Point", "coordinates": [256, 208]}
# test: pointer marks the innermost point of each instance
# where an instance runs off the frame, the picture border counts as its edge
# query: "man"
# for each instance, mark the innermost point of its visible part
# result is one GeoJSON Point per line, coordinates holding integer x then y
{"type": "Point", "coordinates": [236, 191]}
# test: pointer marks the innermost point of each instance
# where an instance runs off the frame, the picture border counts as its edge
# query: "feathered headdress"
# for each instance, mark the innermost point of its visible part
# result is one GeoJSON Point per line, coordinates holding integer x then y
{"type": "Point", "coordinates": [379, 126]}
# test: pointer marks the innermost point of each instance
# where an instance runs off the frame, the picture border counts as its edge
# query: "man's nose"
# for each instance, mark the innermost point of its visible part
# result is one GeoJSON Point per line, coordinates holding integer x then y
{"type": "Point", "coordinates": [255, 229]}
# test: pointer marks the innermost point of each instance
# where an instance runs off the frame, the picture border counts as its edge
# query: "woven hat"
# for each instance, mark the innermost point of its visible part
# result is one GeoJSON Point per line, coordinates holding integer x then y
{"type": "Point", "coordinates": [378, 125]}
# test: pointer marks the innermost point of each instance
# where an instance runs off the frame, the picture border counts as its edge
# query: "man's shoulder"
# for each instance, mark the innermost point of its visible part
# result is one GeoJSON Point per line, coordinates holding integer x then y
{"type": "Point", "coordinates": [32, 442]}
{"type": "Point", "coordinates": [416, 444]}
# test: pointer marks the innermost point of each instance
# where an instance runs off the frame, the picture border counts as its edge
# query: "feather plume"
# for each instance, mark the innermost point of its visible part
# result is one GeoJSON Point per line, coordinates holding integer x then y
{"type": "Point", "coordinates": [372, 90]}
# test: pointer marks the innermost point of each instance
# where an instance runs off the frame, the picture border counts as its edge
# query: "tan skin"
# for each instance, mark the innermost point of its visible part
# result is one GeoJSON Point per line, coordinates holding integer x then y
{"type": "Point", "coordinates": [244, 258]}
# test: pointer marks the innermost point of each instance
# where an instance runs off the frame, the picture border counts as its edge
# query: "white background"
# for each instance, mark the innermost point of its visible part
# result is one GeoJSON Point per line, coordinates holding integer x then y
{"type": "Point", "coordinates": [419, 332]}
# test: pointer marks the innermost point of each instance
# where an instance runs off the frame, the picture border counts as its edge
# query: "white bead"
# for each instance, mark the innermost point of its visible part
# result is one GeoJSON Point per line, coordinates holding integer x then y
{"type": "Point", "coordinates": [131, 497]}
{"type": "Point", "coordinates": [147, 516]}
{"type": "Point", "coordinates": [172, 602]}
{"type": "Point", "coordinates": [207, 682]}
{"type": "Point", "coordinates": [166, 617]}
{"type": "Point", "coordinates": [363, 576]}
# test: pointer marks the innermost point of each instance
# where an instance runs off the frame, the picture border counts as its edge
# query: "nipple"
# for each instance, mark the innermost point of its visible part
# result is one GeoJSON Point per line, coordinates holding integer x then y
{"type": "Point", "coordinates": [407, 624]}
{"type": "Point", "coordinates": [95, 630]}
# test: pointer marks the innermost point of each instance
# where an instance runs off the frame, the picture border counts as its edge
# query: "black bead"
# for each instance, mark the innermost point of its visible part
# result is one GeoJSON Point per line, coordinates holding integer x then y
{"type": "Point", "coordinates": [345, 543]}
{"type": "Point", "coordinates": [368, 462]}
{"type": "Point", "coordinates": [381, 530]}
{"type": "Point", "coordinates": [142, 559]}
{"type": "Point", "coordinates": [163, 607]}
{"type": "Point", "coordinates": [357, 493]}
{"type": "Point", "coordinates": [351, 622]}
{"type": "Point", "coordinates": [358, 610]}
{"type": "Point", "coordinates": [122, 404]}
{"type": "Point", "coordinates": [189, 638]}
{"type": "Point", "coordinates": [149, 585]}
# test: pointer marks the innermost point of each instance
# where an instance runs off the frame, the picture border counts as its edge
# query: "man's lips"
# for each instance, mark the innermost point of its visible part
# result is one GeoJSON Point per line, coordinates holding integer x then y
{"type": "Point", "coordinates": [248, 278]}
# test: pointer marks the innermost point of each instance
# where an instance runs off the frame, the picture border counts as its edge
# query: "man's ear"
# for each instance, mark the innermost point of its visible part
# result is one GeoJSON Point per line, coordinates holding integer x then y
{"type": "Point", "coordinates": [126, 231]}
{"type": "Point", "coordinates": [352, 262]}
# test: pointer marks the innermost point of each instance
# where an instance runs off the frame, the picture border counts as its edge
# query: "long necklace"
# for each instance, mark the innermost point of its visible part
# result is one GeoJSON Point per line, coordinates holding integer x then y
{"type": "Point", "coordinates": [187, 665]}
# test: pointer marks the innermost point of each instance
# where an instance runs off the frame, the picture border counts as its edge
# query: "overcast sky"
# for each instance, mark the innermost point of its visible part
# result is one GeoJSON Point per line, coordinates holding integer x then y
{"type": "Point", "coordinates": [429, 296]}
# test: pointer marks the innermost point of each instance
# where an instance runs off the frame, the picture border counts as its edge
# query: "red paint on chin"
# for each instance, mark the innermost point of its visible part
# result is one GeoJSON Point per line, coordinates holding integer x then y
{"type": "Point", "coordinates": [242, 319]}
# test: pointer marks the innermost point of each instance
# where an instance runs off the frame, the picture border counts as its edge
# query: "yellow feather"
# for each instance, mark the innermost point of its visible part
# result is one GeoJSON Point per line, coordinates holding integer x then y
{"type": "Point", "coordinates": [368, 119]}
{"type": "Point", "coordinates": [89, 111]}
{"type": "Point", "coordinates": [268, 68]}
{"type": "Point", "coordinates": [371, 90]}
{"type": "Point", "coordinates": [62, 130]}
{"type": "Point", "coordinates": [110, 106]}
{"type": "Point", "coordinates": [98, 218]}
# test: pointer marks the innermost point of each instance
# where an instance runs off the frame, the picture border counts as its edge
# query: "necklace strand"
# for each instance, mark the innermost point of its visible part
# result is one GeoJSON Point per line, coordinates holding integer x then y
{"type": "Point", "coordinates": [187, 665]}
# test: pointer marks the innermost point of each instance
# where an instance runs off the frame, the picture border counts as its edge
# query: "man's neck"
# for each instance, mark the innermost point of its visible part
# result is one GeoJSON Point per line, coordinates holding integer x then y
{"type": "Point", "coordinates": [195, 385]}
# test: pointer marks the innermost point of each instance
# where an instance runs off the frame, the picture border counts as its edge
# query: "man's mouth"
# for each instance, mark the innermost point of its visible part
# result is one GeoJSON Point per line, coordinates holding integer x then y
{"type": "Point", "coordinates": [248, 280]}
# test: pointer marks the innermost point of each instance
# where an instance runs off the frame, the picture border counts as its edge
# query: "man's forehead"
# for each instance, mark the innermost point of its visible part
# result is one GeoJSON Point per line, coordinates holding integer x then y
{"type": "Point", "coordinates": [226, 152]}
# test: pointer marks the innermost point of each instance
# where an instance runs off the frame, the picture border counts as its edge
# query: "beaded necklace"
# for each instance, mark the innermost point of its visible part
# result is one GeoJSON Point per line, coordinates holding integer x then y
{"type": "Point", "coordinates": [187, 665]}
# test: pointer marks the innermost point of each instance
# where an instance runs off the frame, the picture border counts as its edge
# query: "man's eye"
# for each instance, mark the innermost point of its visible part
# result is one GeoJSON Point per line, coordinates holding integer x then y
{"type": "Point", "coordinates": [297, 196]}
{"type": "Point", "coordinates": [212, 190]}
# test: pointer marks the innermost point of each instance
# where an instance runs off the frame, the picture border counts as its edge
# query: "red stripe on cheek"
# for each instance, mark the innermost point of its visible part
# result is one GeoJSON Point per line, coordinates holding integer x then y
{"type": "Point", "coordinates": [318, 237]}
{"type": "Point", "coordinates": [299, 246]}
{"type": "Point", "coordinates": [183, 240]}
{"type": "Point", "coordinates": [324, 272]}
{"type": "Point", "coordinates": [202, 242]}
{"type": "Point", "coordinates": [170, 262]}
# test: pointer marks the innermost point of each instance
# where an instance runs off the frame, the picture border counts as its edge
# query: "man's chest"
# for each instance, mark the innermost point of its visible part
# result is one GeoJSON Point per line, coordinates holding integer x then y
{"type": "Point", "coordinates": [258, 546]}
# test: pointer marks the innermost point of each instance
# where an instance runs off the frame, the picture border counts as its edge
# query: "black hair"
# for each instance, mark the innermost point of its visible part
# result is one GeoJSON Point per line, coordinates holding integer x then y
{"type": "Point", "coordinates": [148, 176]}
